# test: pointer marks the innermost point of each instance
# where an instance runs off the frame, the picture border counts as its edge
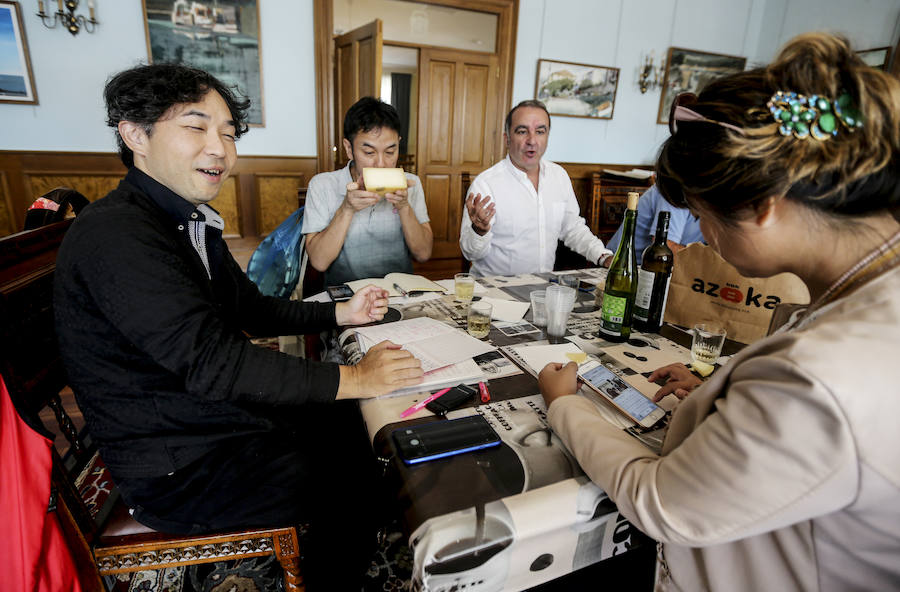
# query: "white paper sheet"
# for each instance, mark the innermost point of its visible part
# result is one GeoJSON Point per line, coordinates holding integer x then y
{"type": "Point", "coordinates": [506, 310]}
{"type": "Point", "coordinates": [538, 356]}
{"type": "Point", "coordinates": [435, 344]}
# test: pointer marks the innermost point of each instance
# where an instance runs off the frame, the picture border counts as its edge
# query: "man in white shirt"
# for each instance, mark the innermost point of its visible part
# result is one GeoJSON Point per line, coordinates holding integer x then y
{"type": "Point", "coordinates": [352, 233]}
{"type": "Point", "coordinates": [518, 209]}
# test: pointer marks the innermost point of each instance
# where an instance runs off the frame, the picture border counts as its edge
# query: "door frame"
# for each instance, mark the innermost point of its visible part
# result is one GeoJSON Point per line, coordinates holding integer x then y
{"type": "Point", "coordinates": [507, 12]}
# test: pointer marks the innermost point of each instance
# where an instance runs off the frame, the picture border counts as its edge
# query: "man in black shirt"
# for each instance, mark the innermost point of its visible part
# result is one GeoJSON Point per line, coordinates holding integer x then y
{"type": "Point", "coordinates": [200, 429]}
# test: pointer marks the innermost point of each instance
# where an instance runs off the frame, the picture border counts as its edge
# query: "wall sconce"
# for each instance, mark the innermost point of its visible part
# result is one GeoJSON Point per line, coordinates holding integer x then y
{"type": "Point", "coordinates": [65, 14]}
{"type": "Point", "coordinates": [650, 74]}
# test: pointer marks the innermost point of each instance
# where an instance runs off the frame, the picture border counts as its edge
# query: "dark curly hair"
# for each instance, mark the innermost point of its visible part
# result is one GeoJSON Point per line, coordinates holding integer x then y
{"type": "Point", "coordinates": [143, 94]}
{"type": "Point", "coordinates": [852, 174]}
{"type": "Point", "coordinates": [368, 114]}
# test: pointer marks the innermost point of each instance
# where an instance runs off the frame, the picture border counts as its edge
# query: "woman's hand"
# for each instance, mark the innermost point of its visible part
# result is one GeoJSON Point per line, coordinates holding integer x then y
{"type": "Point", "coordinates": [680, 382]}
{"type": "Point", "coordinates": [557, 380]}
{"type": "Point", "coordinates": [367, 305]}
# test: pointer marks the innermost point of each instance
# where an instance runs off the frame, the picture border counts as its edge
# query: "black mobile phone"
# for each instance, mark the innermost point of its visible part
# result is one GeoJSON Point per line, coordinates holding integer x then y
{"type": "Point", "coordinates": [452, 399]}
{"type": "Point", "coordinates": [443, 438]}
{"type": "Point", "coordinates": [339, 293]}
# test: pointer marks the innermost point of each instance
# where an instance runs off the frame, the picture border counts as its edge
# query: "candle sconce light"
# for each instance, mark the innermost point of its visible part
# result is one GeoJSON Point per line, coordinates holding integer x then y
{"type": "Point", "coordinates": [650, 73]}
{"type": "Point", "coordinates": [65, 15]}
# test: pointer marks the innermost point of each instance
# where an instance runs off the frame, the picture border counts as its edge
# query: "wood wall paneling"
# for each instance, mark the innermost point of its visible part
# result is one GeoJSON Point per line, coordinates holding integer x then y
{"type": "Point", "coordinates": [7, 220]}
{"type": "Point", "coordinates": [242, 202]}
{"type": "Point", "coordinates": [277, 199]}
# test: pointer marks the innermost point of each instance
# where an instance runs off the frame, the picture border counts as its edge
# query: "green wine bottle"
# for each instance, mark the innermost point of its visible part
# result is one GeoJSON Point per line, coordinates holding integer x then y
{"type": "Point", "coordinates": [621, 282]}
{"type": "Point", "coordinates": [653, 279]}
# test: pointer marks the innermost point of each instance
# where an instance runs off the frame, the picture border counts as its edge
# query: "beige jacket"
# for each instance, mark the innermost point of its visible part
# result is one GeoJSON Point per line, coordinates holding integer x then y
{"type": "Point", "coordinates": [782, 471]}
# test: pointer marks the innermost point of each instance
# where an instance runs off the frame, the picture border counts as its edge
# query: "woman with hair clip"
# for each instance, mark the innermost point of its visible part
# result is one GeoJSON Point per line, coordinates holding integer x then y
{"type": "Point", "coordinates": [780, 472]}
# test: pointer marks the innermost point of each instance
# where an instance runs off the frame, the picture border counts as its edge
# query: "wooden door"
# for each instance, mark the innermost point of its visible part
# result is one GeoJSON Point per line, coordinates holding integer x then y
{"type": "Point", "coordinates": [459, 128]}
{"type": "Point", "coordinates": [357, 74]}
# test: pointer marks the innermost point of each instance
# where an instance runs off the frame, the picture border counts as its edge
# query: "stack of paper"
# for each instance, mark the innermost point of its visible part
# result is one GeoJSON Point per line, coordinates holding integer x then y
{"type": "Point", "coordinates": [435, 344]}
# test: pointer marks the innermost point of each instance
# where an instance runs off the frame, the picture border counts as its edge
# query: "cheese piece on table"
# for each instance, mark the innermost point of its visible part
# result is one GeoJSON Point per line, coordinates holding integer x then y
{"type": "Point", "coordinates": [577, 357]}
{"type": "Point", "coordinates": [702, 368]}
{"type": "Point", "coordinates": [383, 181]}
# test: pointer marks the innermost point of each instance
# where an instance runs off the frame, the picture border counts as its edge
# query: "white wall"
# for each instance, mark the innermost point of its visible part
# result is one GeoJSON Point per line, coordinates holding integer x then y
{"type": "Point", "coordinates": [70, 73]}
{"type": "Point", "coordinates": [617, 32]}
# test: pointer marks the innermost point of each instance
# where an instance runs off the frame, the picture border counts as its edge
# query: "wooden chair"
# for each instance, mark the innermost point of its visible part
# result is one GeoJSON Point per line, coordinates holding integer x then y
{"type": "Point", "coordinates": [101, 533]}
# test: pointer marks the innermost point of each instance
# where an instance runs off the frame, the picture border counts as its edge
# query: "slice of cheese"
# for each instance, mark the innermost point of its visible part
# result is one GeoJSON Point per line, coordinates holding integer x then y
{"type": "Point", "coordinates": [383, 181]}
{"type": "Point", "coordinates": [577, 357]}
{"type": "Point", "coordinates": [702, 368]}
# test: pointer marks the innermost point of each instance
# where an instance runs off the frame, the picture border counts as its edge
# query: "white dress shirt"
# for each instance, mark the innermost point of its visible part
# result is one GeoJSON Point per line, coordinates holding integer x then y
{"type": "Point", "coordinates": [527, 223]}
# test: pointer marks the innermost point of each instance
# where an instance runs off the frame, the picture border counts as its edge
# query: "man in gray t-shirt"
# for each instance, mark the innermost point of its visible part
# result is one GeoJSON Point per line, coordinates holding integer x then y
{"type": "Point", "coordinates": [352, 233]}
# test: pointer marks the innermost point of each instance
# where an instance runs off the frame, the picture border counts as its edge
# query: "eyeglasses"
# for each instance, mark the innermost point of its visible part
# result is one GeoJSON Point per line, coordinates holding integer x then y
{"type": "Point", "coordinates": [680, 112]}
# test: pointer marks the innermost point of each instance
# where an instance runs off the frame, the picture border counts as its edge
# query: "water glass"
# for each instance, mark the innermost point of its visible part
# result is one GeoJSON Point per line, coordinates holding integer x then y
{"type": "Point", "coordinates": [478, 322]}
{"type": "Point", "coordinates": [539, 308]}
{"type": "Point", "coordinates": [560, 300]}
{"type": "Point", "coordinates": [706, 346]}
{"type": "Point", "coordinates": [464, 287]}
{"type": "Point", "coordinates": [570, 280]}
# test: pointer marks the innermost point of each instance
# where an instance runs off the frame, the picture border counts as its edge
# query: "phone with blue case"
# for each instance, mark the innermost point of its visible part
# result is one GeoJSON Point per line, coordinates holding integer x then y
{"type": "Point", "coordinates": [439, 439]}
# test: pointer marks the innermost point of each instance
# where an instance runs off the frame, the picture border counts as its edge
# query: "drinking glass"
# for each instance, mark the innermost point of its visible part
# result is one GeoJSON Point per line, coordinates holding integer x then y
{"type": "Point", "coordinates": [478, 323]}
{"type": "Point", "coordinates": [706, 346]}
{"type": "Point", "coordinates": [560, 300]}
{"type": "Point", "coordinates": [464, 287]}
{"type": "Point", "coordinates": [539, 308]}
{"type": "Point", "coordinates": [569, 280]}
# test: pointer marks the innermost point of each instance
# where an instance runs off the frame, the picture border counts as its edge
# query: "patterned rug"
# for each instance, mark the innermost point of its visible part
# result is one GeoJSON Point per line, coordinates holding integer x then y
{"type": "Point", "coordinates": [389, 572]}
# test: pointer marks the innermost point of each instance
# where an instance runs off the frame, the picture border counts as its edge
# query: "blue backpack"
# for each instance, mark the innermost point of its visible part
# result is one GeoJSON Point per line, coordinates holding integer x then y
{"type": "Point", "coordinates": [277, 263]}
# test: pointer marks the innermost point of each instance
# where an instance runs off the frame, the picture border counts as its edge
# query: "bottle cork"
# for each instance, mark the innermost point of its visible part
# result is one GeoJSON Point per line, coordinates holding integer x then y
{"type": "Point", "coordinates": [633, 197]}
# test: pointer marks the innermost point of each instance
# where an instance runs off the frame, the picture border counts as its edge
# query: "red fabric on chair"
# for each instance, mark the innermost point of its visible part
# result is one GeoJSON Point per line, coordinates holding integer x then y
{"type": "Point", "coordinates": [33, 552]}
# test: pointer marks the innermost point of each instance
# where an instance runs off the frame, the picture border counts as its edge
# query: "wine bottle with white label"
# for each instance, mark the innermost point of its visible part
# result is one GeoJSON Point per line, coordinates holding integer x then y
{"type": "Point", "coordinates": [653, 279]}
{"type": "Point", "coordinates": [621, 281]}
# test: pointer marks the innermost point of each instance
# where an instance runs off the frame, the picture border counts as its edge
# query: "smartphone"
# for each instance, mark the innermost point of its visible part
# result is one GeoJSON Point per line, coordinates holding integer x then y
{"type": "Point", "coordinates": [623, 396]}
{"type": "Point", "coordinates": [456, 396]}
{"type": "Point", "coordinates": [443, 438]}
{"type": "Point", "coordinates": [339, 293]}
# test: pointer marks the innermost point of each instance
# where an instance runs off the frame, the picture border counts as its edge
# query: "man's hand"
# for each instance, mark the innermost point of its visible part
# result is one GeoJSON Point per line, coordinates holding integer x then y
{"type": "Point", "coordinates": [680, 382]}
{"type": "Point", "coordinates": [367, 305]}
{"type": "Point", "coordinates": [481, 212]}
{"type": "Point", "coordinates": [556, 381]}
{"type": "Point", "coordinates": [385, 368]}
{"type": "Point", "coordinates": [604, 260]}
{"type": "Point", "coordinates": [358, 198]}
{"type": "Point", "coordinates": [399, 198]}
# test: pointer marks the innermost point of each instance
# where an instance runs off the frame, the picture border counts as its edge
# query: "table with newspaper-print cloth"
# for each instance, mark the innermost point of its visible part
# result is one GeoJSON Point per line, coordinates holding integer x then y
{"type": "Point", "coordinates": [517, 515]}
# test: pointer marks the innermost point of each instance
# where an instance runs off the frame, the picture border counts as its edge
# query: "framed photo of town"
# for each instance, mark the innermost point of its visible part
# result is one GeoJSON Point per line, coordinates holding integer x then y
{"type": "Point", "coordinates": [16, 79]}
{"type": "Point", "coordinates": [577, 90]}
{"type": "Point", "coordinates": [220, 37]}
{"type": "Point", "coordinates": [688, 70]}
{"type": "Point", "coordinates": [877, 58]}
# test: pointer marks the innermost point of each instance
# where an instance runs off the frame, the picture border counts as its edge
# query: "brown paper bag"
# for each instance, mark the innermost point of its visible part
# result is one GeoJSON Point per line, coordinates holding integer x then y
{"type": "Point", "coordinates": [705, 287]}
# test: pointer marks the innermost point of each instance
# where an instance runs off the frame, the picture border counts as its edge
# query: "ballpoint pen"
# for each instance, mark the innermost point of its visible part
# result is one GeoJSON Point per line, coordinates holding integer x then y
{"type": "Point", "coordinates": [401, 290]}
{"type": "Point", "coordinates": [485, 394]}
{"type": "Point", "coordinates": [424, 402]}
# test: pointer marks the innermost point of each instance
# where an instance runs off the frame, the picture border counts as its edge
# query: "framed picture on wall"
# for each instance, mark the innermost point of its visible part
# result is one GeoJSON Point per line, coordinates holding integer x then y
{"type": "Point", "coordinates": [16, 79]}
{"type": "Point", "coordinates": [688, 70]}
{"type": "Point", "coordinates": [879, 57]}
{"type": "Point", "coordinates": [220, 37]}
{"type": "Point", "coordinates": [577, 90]}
